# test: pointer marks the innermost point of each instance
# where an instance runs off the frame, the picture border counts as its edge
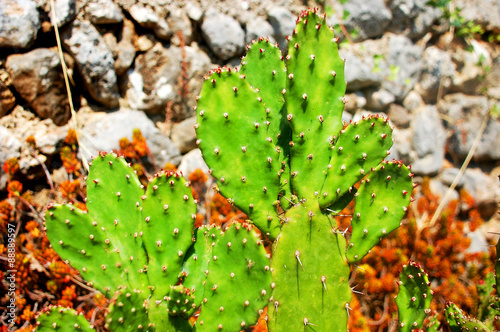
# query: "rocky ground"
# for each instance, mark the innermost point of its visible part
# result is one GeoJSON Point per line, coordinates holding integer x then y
{"type": "Point", "coordinates": [140, 64]}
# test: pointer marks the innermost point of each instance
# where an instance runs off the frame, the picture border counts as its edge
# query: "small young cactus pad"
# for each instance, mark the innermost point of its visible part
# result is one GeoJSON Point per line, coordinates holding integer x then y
{"type": "Point", "coordinates": [128, 312]}
{"type": "Point", "coordinates": [380, 204]}
{"type": "Point", "coordinates": [57, 318]}
{"type": "Point", "coordinates": [414, 297]}
{"type": "Point", "coordinates": [460, 322]}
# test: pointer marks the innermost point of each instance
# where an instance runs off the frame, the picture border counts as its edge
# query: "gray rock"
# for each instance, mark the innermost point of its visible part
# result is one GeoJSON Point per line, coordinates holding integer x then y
{"type": "Point", "coordinates": [471, 66]}
{"type": "Point", "coordinates": [370, 19]}
{"type": "Point", "coordinates": [413, 18]}
{"type": "Point", "coordinates": [192, 161]}
{"type": "Point", "coordinates": [180, 23]}
{"type": "Point", "coordinates": [413, 100]}
{"type": "Point", "coordinates": [125, 48]}
{"type": "Point", "coordinates": [104, 130]}
{"type": "Point", "coordinates": [146, 17]}
{"type": "Point", "coordinates": [37, 76]}
{"type": "Point", "coordinates": [19, 23]}
{"type": "Point", "coordinates": [104, 12]}
{"type": "Point", "coordinates": [65, 12]}
{"type": "Point", "coordinates": [484, 189]}
{"type": "Point", "coordinates": [10, 147]}
{"type": "Point", "coordinates": [379, 100]}
{"type": "Point", "coordinates": [223, 34]}
{"type": "Point", "coordinates": [392, 61]}
{"type": "Point", "coordinates": [403, 65]}
{"type": "Point", "coordinates": [94, 61]}
{"type": "Point", "coordinates": [283, 23]}
{"type": "Point", "coordinates": [258, 27]}
{"type": "Point", "coordinates": [485, 12]}
{"type": "Point", "coordinates": [7, 99]}
{"type": "Point", "coordinates": [439, 189]}
{"type": "Point", "coordinates": [402, 143]}
{"type": "Point", "coordinates": [399, 116]}
{"type": "Point", "coordinates": [194, 11]}
{"type": "Point", "coordinates": [437, 69]}
{"type": "Point", "coordinates": [467, 113]}
{"type": "Point", "coordinates": [428, 141]}
{"type": "Point", "coordinates": [152, 83]}
{"type": "Point", "coordinates": [359, 72]}
{"type": "Point", "coordinates": [183, 135]}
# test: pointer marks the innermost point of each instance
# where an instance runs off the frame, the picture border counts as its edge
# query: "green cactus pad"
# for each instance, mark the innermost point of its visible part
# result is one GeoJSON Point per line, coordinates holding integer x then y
{"type": "Point", "coordinates": [105, 243]}
{"type": "Point", "coordinates": [235, 144]}
{"type": "Point", "coordinates": [238, 282]}
{"type": "Point", "coordinates": [128, 312]}
{"type": "Point", "coordinates": [432, 324]}
{"type": "Point", "coordinates": [168, 212]}
{"type": "Point", "coordinates": [265, 70]}
{"type": "Point", "coordinates": [313, 97]}
{"type": "Point", "coordinates": [380, 204]}
{"type": "Point", "coordinates": [57, 318]}
{"type": "Point", "coordinates": [414, 297]}
{"type": "Point", "coordinates": [310, 275]}
{"type": "Point", "coordinates": [360, 147]}
{"type": "Point", "coordinates": [459, 322]}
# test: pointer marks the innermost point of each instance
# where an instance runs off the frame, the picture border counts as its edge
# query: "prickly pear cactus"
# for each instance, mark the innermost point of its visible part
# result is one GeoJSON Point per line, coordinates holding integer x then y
{"type": "Point", "coordinates": [460, 322]}
{"type": "Point", "coordinates": [272, 135]}
{"type": "Point", "coordinates": [62, 319]}
{"type": "Point", "coordinates": [414, 297]}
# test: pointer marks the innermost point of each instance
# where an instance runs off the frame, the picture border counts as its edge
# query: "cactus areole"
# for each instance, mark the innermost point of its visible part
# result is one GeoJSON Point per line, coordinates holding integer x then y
{"type": "Point", "coordinates": [272, 135]}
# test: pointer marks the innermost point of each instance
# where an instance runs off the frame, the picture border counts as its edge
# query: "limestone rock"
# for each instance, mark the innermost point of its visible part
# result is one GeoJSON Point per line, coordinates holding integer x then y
{"type": "Point", "coordinates": [223, 34]}
{"type": "Point", "coordinates": [104, 12]}
{"type": "Point", "coordinates": [468, 114]}
{"type": "Point", "coordinates": [65, 12]}
{"type": "Point", "coordinates": [413, 18]}
{"type": "Point", "coordinates": [437, 69]}
{"type": "Point", "coordinates": [146, 17]}
{"type": "Point", "coordinates": [103, 131]}
{"type": "Point", "coordinates": [94, 61]}
{"type": "Point", "coordinates": [7, 99]}
{"type": "Point", "coordinates": [19, 23]}
{"type": "Point", "coordinates": [428, 141]}
{"type": "Point", "coordinates": [183, 135]}
{"type": "Point", "coordinates": [37, 76]}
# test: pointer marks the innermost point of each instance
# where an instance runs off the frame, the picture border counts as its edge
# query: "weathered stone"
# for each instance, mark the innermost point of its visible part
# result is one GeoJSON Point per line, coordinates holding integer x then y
{"type": "Point", "coordinates": [94, 61]}
{"type": "Point", "coordinates": [180, 26]}
{"type": "Point", "coordinates": [437, 70]}
{"type": "Point", "coordinates": [399, 116]}
{"type": "Point", "coordinates": [146, 17]}
{"type": "Point", "coordinates": [191, 161]}
{"type": "Point", "coordinates": [104, 12]}
{"type": "Point", "coordinates": [402, 143]}
{"type": "Point", "coordinates": [194, 11]}
{"type": "Point", "coordinates": [19, 23]}
{"type": "Point", "coordinates": [359, 72]}
{"type": "Point", "coordinates": [413, 18]}
{"type": "Point", "coordinates": [485, 12]}
{"type": "Point", "coordinates": [378, 100]}
{"type": "Point", "coordinates": [258, 27]}
{"type": "Point", "coordinates": [471, 66]}
{"type": "Point", "coordinates": [153, 81]}
{"type": "Point", "coordinates": [283, 23]}
{"type": "Point", "coordinates": [413, 101]}
{"type": "Point", "coordinates": [183, 135]}
{"type": "Point", "coordinates": [37, 76]}
{"type": "Point", "coordinates": [125, 48]}
{"type": "Point", "coordinates": [368, 19]}
{"type": "Point", "coordinates": [467, 113]}
{"type": "Point", "coordinates": [223, 34]}
{"type": "Point", "coordinates": [103, 131]}
{"type": "Point", "coordinates": [428, 141]}
{"type": "Point", "coordinates": [7, 99]}
{"type": "Point", "coordinates": [65, 12]}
